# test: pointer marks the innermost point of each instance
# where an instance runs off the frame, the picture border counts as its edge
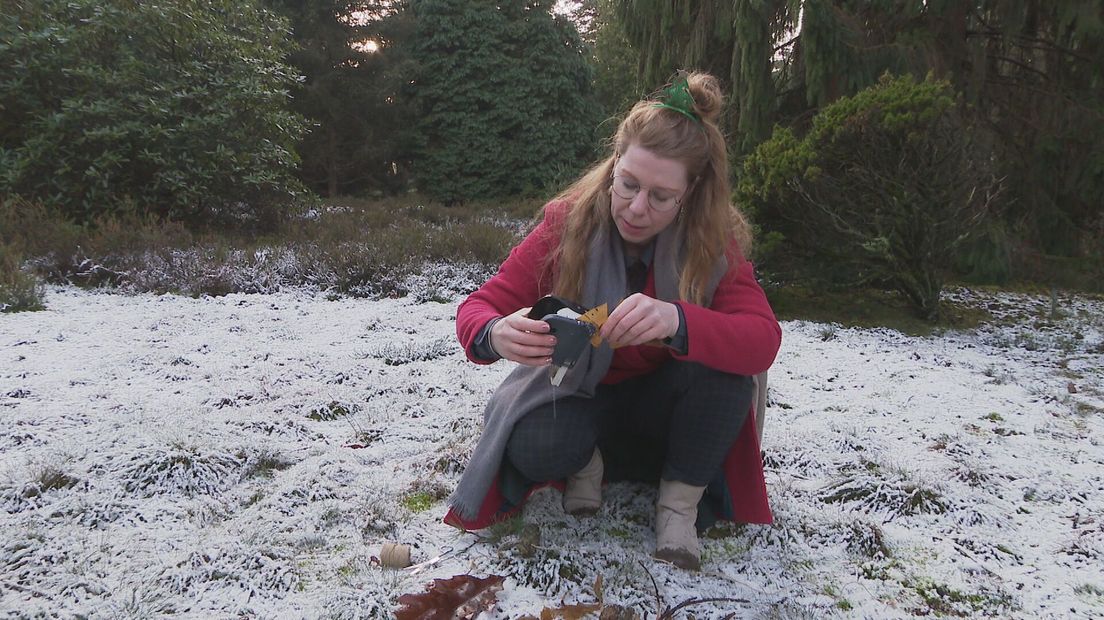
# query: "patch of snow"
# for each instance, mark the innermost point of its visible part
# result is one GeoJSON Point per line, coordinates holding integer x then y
{"type": "Point", "coordinates": [249, 455]}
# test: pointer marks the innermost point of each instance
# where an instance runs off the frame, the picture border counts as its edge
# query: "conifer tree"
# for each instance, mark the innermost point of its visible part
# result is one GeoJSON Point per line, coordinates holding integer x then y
{"type": "Point", "coordinates": [502, 94]}
{"type": "Point", "coordinates": [352, 54]}
{"type": "Point", "coordinates": [1032, 69]}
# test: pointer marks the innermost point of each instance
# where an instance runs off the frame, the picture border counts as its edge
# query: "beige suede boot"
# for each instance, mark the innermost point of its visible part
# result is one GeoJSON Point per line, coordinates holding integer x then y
{"type": "Point", "coordinates": [583, 494]}
{"type": "Point", "coordinates": [676, 512]}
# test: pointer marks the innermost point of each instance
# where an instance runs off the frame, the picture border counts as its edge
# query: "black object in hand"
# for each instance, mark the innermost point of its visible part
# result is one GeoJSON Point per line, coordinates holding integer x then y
{"type": "Point", "coordinates": [572, 336]}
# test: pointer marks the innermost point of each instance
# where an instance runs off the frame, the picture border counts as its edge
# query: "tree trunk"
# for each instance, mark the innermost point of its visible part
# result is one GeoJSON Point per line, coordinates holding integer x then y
{"type": "Point", "coordinates": [331, 158]}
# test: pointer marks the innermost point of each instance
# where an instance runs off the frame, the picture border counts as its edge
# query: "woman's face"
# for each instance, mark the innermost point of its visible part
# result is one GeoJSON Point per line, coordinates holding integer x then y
{"type": "Point", "coordinates": [645, 195]}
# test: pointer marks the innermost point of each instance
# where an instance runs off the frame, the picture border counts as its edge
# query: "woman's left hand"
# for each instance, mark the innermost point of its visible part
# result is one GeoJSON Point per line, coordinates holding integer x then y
{"type": "Point", "coordinates": [640, 319]}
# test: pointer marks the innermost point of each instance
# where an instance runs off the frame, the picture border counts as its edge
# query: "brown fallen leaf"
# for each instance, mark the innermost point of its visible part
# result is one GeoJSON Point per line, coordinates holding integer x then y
{"type": "Point", "coordinates": [570, 612]}
{"type": "Point", "coordinates": [617, 612]}
{"type": "Point", "coordinates": [457, 598]}
{"type": "Point", "coordinates": [579, 611]}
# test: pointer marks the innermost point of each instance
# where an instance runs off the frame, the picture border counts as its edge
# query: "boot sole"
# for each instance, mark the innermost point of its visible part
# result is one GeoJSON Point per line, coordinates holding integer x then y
{"type": "Point", "coordinates": [583, 511]}
{"type": "Point", "coordinates": [680, 558]}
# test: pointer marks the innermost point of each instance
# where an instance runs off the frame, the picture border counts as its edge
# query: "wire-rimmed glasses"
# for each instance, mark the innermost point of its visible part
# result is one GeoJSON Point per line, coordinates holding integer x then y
{"type": "Point", "coordinates": [627, 188]}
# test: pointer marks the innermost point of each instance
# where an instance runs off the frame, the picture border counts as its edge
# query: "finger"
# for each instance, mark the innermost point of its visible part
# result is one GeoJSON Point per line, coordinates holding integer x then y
{"type": "Point", "coordinates": [627, 332]}
{"type": "Point", "coordinates": [531, 360]}
{"type": "Point", "coordinates": [610, 327]}
{"type": "Point", "coordinates": [640, 333]}
{"type": "Point", "coordinates": [531, 351]}
{"type": "Point", "coordinates": [533, 339]}
{"type": "Point", "coordinates": [525, 324]}
{"type": "Point", "coordinates": [627, 305]}
{"type": "Point", "coordinates": [632, 322]}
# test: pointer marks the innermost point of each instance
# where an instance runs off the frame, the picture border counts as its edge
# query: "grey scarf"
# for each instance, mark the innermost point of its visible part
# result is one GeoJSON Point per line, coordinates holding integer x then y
{"type": "Point", "coordinates": [527, 387]}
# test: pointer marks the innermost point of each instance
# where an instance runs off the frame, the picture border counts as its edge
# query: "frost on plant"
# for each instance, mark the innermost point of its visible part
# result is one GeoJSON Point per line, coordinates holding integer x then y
{"type": "Point", "coordinates": [891, 493]}
{"type": "Point", "coordinates": [180, 471]}
{"type": "Point", "coordinates": [249, 571]}
{"type": "Point", "coordinates": [397, 354]}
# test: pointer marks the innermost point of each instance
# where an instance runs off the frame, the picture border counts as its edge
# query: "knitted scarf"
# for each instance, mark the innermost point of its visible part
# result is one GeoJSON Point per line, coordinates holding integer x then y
{"type": "Point", "coordinates": [528, 387]}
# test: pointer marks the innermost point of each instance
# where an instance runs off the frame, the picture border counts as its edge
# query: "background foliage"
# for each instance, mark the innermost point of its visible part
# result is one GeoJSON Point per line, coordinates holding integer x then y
{"type": "Point", "coordinates": [885, 185]}
{"type": "Point", "coordinates": [360, 137]}
{"type": "Point", "coordinates": [1034, 68]}
{"type": "Point", "coordinates": [178, 109]}
{"type": "Point", "coordinates": [204, 112]}
{"type": "Point", "coordinates": [503, 98]}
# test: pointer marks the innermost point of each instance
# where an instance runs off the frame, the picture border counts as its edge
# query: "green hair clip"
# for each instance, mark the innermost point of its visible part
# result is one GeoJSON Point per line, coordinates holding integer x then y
{"type": "Point", "coordinates": [677, 97]}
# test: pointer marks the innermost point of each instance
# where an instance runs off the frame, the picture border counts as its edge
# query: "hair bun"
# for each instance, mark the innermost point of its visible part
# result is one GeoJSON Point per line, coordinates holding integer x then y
{"type": "Point", "coordinates": [708, 99]}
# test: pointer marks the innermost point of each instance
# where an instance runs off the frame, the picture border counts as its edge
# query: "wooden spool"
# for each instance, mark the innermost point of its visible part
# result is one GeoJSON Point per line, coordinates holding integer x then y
{"type": "Point", "coordinates": [395, 555]}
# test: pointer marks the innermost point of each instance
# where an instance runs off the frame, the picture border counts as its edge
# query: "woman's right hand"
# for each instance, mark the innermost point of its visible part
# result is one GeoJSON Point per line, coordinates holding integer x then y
{"type": "Point", "coordinates": [523, 340]}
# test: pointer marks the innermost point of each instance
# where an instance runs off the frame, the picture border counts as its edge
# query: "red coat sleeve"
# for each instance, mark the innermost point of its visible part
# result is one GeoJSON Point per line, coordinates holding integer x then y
{"type": "Point", "coordinates": [738, 332]}
{"type": "Point", "coordinates": [523, 278]}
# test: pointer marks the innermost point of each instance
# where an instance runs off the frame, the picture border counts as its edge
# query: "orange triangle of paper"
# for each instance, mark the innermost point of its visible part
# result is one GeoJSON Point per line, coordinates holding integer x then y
{"type": "Point", "coordinates": [597, 317]}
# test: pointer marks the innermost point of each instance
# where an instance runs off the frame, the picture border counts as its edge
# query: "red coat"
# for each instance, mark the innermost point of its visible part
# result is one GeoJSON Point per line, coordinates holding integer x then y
{"type": "Point", "coordinates": [737, 333]}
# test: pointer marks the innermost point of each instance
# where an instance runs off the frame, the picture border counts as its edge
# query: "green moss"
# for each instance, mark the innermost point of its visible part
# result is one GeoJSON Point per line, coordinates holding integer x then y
{"type": "Point", "coordinates": [619, 532]}
{"type": "Point", "coordinates": [347, 570]}
{"type": "Point", "coordinates": [418, 502]}
{"type": "Point", "coordinates": [504, 529]}
{"type": "Point", "coordinates": [945, 600]}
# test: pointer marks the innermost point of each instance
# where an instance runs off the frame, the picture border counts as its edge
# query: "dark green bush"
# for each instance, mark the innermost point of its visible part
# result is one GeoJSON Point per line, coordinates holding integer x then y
{"type": "Point", "coordinates": [884, 186]}
{"type": "Point", "coordinates": [986, 257]}
{"type": "Point", "coordinates": [177, 109]}
{"type": "Point", "coordinates": [503, 99]}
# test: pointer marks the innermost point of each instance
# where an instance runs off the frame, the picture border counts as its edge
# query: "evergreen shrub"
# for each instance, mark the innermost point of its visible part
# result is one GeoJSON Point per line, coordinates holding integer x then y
{"type": "Point", "coordinates": [503, 99]}
{"type": "Point", "coordinates": [178, 108]}
{"type": "Point", "coordinates": [884, 186]}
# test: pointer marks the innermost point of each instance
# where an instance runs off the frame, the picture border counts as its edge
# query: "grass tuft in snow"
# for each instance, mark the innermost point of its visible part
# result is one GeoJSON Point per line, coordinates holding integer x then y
{"type": "Point", "coordinates": [1088, 544]}
{"type": "Point", "coordinates": [888, 492]}
{"type": "Point", "coordinates": [867, 539]}
{"type": "Point", "coordinates": [34, 490]}
{"type": "Point", "coordinates": [944, 600]}
{"type": "Point", "coordinates": [332, 410]}
{"type": "Point", "coordinates": [397, 354]}
{"type": "Point", "coordinates": [424, 493]}
{"type": "Point", "coordinates": [454, 454]}
{"type": "Point", "coordinates": [265, 463]}
{"type": "Point", "coordinates": [1091, 592]}
{"type": "Point", "coordinates": [378, 513]}
{"type": "Point", "coordinates": [236, 568]}
{"type": "Point", "coordinates": [553, 572]}
{"type": "Point", "coordinates": [179, 470]}
{"type": "Point", "coordinates": [365, 592]}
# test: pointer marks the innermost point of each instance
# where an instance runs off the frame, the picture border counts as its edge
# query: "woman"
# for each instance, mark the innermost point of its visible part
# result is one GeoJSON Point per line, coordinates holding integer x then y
{"type": "Point", "coordinates": [650, 232]}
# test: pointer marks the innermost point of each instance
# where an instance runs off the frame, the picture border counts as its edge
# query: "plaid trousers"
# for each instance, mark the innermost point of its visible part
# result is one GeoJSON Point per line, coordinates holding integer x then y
{"type": "Point", "coordinates": [677, 423]}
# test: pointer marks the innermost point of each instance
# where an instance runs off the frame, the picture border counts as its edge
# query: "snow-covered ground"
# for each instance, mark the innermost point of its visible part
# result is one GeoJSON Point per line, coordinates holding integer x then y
{"type": "Point", "coordinates": [248, 455]}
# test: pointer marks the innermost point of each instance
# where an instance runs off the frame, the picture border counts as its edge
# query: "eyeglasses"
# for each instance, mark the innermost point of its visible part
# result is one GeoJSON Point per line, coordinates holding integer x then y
{"type": "Point", "coordinates": [627, 188]}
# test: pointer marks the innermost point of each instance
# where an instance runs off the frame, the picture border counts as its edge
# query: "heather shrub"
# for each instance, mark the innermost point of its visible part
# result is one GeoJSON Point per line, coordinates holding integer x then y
{"type": "Point", "coordinates": [19, 290]}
